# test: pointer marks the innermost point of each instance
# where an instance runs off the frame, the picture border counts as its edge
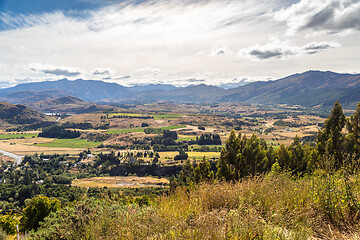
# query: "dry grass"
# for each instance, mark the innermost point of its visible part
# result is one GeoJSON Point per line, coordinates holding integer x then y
{"type": "Point", "coordinates": [26, 147]}
{"type": "Point", "coordinates": [166, 157]}
{"type": "Point", "coordinates": [120, 182]}
{"type": "Point", "coordinates": [270, 207]}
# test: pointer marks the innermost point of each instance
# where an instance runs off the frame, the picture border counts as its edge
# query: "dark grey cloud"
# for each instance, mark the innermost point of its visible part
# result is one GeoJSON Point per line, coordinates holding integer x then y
{"type": "Point", "coordinates": [280, 50]}
{"type": "Point", "coordinates": [55, 70]}
{"type": "Point", "coordinates": [320, 19]}
{"type": "Point", "coordinates": [315, 47]}
{"type": "Point", "coordinates": [101, 72]}
{"type": "Point", "coordinates": [320, 46]}
{"type": "Point", "coordinates": [266, 54]}
{"type": "Point", "coordinates": [220, 52]}
{"type": "Point", "coordinates": [61, 72]}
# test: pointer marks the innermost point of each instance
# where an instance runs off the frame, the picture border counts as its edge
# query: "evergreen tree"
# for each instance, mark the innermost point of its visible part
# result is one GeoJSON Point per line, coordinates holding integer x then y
{"type": "Point", "coordinates": [229, 158]}
{"type": "Point", "coordinates": [353, 138]}
{"type": "Point", "coordinates": [284, 157]}
{"type": "Point", "coordinates": [203, 171]}
{"type": "Point", "coordinates": [186, 175]}
{"type": "Point", "coordinates": [254, 157]}
{"type": "Point", "coordinates": [331, 138]}
{"type": "Point", "coordinates": [297, 161]}
{"type": "Point", "coordinates": [353, 125]}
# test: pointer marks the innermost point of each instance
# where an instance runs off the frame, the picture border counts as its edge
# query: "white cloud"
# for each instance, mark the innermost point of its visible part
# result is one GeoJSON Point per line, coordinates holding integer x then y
{"type": "Point", "coordinates": [328, 16]}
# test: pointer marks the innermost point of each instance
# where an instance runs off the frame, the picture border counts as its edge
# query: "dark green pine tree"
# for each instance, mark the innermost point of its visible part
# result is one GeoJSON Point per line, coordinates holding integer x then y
{"type": "Point", "coordinates": [331, 138]}
{"type": "Point", "coordinates": [254, 157]}
{"type": "Point", "coordinates": [229, 158]}
{"type": "Point", "coordinates": [284, 158]}
{"type": "Point", "coordinates": [298, 162]}
{"type": "Point", "coordinates": [203, 172]}
{"type": "Point", "coordinates": [186, 175]}
{"type": "Point", "coordinates": [353, 138]}
{"type": "Point", "coordinates": [353, 125]}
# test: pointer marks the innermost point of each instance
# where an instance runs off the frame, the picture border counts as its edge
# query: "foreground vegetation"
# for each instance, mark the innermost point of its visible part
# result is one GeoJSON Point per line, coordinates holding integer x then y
{"type": "Point", "coordinates": [272, 206]}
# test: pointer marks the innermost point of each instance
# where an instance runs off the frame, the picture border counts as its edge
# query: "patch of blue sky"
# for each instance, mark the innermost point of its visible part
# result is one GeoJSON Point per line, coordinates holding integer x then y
{"type": "Point", "coordinates": [18, 9]}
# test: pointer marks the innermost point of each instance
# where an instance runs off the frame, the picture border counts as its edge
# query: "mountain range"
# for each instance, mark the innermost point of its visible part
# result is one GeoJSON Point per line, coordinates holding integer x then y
{"type": "Point", "coordinates": [311, 88]}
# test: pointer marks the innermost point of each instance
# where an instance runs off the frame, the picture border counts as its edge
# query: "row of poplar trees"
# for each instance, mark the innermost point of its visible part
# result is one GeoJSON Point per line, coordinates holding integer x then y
{"type": "Point", "coordinates": [337, 145]}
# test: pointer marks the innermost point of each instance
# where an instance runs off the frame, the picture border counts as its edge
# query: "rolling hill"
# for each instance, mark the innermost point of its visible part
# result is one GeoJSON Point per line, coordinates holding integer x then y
{"type": "Point", "coordinates": [68, 104]}
{"type": "Point", "coordinates": [19, 114]}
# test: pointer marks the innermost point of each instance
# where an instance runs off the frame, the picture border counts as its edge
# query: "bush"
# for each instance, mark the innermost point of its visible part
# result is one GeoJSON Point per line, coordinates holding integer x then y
{"type": "Point", "coordinates": [181, 156]}
{"type": "Point", "coordinates": [8, 224]}
{"type": "Point", "coordinates": [38, 208]}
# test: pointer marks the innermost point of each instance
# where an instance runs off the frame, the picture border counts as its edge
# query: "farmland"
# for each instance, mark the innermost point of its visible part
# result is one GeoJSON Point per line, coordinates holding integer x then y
{"type": "Point", "coordinates": [70, 143]}
{"type": "Point", "coordinates": [17, 136]}
{"type": "Point", "coordinates": [120, 182]}
{"type": "Point", "coordinates": [189, 121]}
{"type": "Point", "coordinates": [115, 131]}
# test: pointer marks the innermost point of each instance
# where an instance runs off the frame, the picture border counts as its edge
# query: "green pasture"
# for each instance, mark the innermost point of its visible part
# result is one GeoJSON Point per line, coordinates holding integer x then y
{"type": "Point", "coordinates": [17, 136]}
{"type": "Point", "coordinates": [70, 143]}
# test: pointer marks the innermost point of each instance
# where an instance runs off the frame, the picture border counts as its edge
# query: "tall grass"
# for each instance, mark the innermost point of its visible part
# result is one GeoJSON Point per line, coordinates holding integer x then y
{"type": "Point", "coordinates": [274, 206]}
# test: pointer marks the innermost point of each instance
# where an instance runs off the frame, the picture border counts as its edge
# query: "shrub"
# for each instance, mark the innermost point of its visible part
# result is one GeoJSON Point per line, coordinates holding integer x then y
{"type": "Point", "coordinates": [38, 208]}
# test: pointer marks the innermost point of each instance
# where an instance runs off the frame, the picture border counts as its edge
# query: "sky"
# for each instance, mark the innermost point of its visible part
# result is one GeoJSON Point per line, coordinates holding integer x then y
{"type": "Point", "coordinates": [180, 42]}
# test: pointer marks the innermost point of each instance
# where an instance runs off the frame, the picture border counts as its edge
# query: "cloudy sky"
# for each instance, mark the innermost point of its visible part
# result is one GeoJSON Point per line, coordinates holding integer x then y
{"type": "Point", "coordinates": [180, 42]}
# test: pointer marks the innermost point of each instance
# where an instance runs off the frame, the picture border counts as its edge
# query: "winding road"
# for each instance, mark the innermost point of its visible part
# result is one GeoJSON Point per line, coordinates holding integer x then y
{"type": "Point", "coordinates": [17, 158]}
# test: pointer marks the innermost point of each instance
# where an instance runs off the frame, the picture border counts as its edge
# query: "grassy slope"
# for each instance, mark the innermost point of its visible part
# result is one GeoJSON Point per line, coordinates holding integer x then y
{"type": "Point", "coordinates": [271, 207]}
{"type": "Point", "coordinates": [70, 143]}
